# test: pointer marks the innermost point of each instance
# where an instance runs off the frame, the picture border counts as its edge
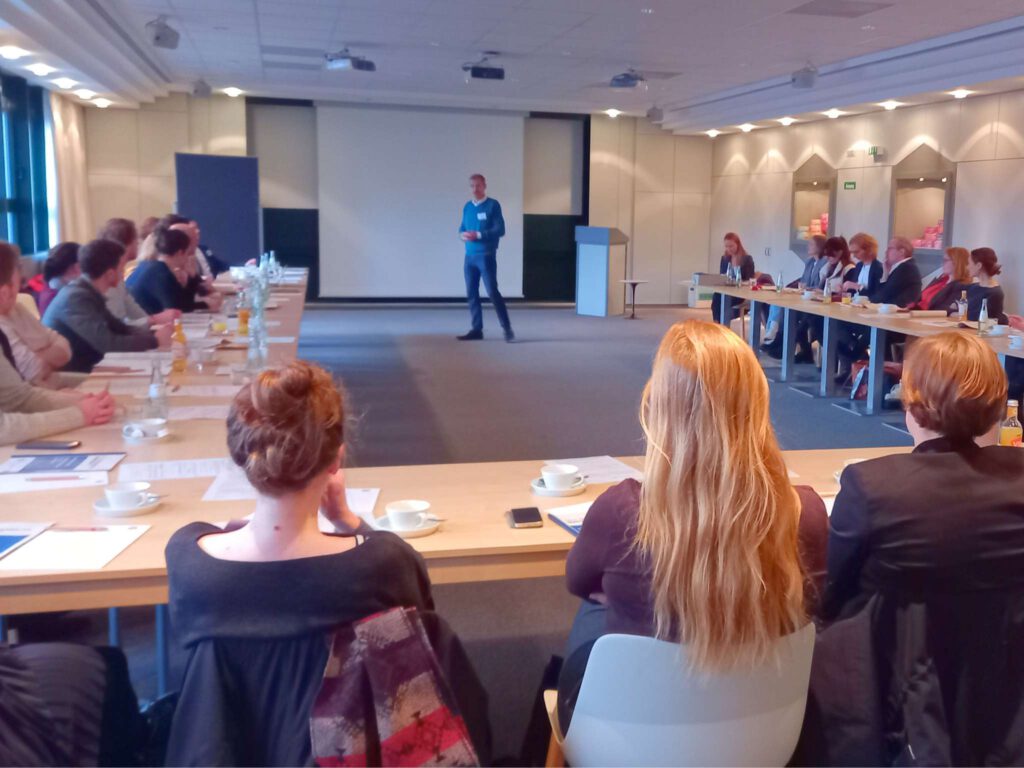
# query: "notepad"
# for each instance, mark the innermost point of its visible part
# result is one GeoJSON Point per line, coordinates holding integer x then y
{"type": "Point", "coordinates": [73, 548]}
{"type": "Point", "coordinates": [170, 470]}
{"type": "Point", "coordinates": [602, 469]}
{"type": "Point", "coordinates": [570, 517]}
{"type": "Point", "coordinates": [187, 412]}
{"type": "Point", "coordinates": [13, 535]}
{"type": "Point", "coordinates": [61, 462]}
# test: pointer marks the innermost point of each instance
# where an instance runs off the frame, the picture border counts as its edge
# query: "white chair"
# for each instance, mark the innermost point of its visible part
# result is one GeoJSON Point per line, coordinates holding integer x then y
{"type": "Point", "coordinates": [639, 705]}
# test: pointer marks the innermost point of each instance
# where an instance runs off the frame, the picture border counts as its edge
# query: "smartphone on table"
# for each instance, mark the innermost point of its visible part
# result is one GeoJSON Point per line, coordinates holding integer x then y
{"type": "Point", "coordinates": [524, 517]}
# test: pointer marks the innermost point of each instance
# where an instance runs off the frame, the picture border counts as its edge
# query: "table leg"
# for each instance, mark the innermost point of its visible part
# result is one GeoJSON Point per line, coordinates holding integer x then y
{"type": "Point", "coordinates": [113, 628]}
{"type": "Point", "coordinates": [754, 331]}
{"type": "Point", "coordinates": [828, 357]}
{"type": "Point", "coordinates": [632, 302]}
{"type": "Point", "coordinates": [788, 343]}
{"type": "Point", "coordinates": [1002, 360]}
{"type": "Point", "coordinates": [876, 371]}
{"type": "Point", "coordinates": [725, 306]}
{"type": "Point", "coordinates": [162, 652]}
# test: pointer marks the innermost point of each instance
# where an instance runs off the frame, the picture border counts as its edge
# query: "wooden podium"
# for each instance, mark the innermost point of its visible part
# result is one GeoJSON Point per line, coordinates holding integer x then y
{"type": "Point", "coordinates": [600, 270]}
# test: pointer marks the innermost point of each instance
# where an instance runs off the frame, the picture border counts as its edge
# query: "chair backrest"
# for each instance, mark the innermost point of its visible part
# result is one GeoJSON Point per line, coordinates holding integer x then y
{"type": "Point", "coordinates": [640, 705]}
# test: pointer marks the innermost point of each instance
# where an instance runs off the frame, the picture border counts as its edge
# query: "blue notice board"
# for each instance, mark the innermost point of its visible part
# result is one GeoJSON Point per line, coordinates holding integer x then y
{"type": "Point", "coordinates": [222, 193]}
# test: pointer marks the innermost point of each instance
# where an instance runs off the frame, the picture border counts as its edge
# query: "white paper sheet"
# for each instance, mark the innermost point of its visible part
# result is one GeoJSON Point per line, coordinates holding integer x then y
{"type": "Point", "coordinates": [50, 481]}
{"type": "Point", "coordinates": [170, 470]}
{"type": "Point", "coordinates": [186, 412]}
{"type": "Point", "coordinates": [222, 370]}
{"type": "Point", "coordinates": [68, 548]}
{"type": "Point", "coordinates": [204, 390]}
{"type": "Point", "coordinates": [118, 387]}
{"type": "Point", "coordinates": [601, 469]}
{"type": "Point", "coordinates": [13, 535]}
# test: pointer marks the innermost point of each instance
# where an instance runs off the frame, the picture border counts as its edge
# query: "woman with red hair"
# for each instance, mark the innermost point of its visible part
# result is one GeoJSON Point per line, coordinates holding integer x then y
{"type": "Point", "coordinates": [735, 259]}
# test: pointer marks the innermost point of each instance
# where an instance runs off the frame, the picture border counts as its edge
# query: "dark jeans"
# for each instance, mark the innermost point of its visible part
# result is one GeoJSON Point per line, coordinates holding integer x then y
{"type": "Point", "coordinates": [477, 266]}
{"type": "Point", "coordinates": [587, 627]}
{"type": "Point", "coordinates": [716, 307]}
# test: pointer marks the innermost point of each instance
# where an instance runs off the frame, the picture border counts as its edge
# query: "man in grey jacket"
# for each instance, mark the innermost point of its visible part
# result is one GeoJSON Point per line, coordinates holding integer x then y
{"type": "Point", "coordinates": [28, 412]}
{"type": "Point", "coordinates": [80, 314]}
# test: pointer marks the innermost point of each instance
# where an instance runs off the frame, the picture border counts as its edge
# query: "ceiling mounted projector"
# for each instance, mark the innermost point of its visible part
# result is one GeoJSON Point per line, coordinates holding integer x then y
{"type": "Point", "coordinates": [201, 89]}
{"type": "Point", "coordinates": [804, 78]}
{"type": "Point", "coordinates": [161, 34]}
{"type": "Point", "coordinates": [656, 115]}
{"type": "Point", "coordinates": [629, 79]}
{"type": "Point", "coordinates": [344, 60]}
{"type": "Point", "coordinates": [481, 70]}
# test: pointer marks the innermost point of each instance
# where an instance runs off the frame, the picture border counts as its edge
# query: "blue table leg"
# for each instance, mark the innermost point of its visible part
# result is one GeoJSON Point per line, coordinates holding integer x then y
{"type": "Point", "coordinates": [162, 658]}
{"type": "Point", "coordinates": [876, 371]}
{"type": "Point", "coordinates": [828, 357]}
{"type": "Point", "coordinates": [3, 629]}
{"type": "Point", "coordinates": [788, 344]}
{"type": "Point", "coordinates": [725, 316]}
{"type": "Point", "coordinates": [754, 329]}
{"type": "Point", "coordinates": [113, 628]}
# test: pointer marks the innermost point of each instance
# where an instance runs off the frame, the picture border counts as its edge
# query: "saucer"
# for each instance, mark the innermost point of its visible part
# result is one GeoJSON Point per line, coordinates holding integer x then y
{"type": "Point", "coordinates": [102, 507]}
{"type": "Point", "coordinates": [538, 487]}
{"type": "Point", "coordinates": [146, 440]}
{"type": "Point", "coordinates": [425, 528]}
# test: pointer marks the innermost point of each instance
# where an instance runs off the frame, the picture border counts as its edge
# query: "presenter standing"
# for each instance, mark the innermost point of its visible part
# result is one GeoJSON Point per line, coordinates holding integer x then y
{"type": "Point", "coordinates": [482, 226]}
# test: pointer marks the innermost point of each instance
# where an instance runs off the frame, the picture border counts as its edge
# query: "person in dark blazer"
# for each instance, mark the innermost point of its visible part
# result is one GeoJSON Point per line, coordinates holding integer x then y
{"type": "Point", "coordinates": [155, 284]}
{"type": "Point", "coordinates": [903, 284]}
{"type": "Point", "coordinates": [736, 257]}
{"type": "Point", "coordinates": [983, 266]}
{"type": "Point", "coordinates": [921, 660]}
{"type": "Point", "coordinates": [866, 277]}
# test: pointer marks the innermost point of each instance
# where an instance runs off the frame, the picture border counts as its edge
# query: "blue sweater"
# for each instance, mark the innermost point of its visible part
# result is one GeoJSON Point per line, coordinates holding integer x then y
{"type": "Point", "coordinates": [486, 219]}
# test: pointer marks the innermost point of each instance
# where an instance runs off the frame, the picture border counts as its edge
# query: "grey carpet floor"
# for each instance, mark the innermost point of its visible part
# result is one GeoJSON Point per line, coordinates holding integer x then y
{"type": "Point", "coordinates": [570, 386]}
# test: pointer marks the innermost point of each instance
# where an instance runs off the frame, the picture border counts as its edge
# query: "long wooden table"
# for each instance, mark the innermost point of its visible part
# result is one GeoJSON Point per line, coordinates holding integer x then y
{"type": "Point", "coordinates": [880, 325]}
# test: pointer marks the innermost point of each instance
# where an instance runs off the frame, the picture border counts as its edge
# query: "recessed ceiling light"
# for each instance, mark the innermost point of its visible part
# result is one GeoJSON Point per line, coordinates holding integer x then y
{"type": "Point", "coordinates": [646, 11]}
{"type": "Point", "coordinates": [960, 93]}
{"type": "Point", "coordinates": [832, 114]}
{"type": "Point", "coordinates": [613, 113]}
{"type": "Point", "coordinates": [868, 27]}
{"type": "Point", "coordinates": [890, 105]}
{"type": "Point", "coordinates": [712, 133]}
{"type": "Point", "coordinates": [102, 103]}
{"type": "Point", "coordinates": [435, 44]}
{"type": "Point", "coordinates": [943, 179]}
{"type": "Point", "coordinates": [40, 70]}
{"type": "Point", "coordinates": [65, 82]}
{"type": "Point", "coordinates": [233, 92]}
{"type": "Point", "coordinates": [921, 179]}
{"type": "Point", "coordinates": [787, 121]}
{"type": "Point", "coordinates": [85, 93]}
{"type": "Point", "coordinates": [12, 52]}
{"type": "Point", "coordinates": [747, 127]}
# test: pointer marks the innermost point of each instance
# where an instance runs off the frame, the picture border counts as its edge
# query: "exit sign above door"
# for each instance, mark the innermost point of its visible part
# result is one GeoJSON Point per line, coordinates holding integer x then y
{"type": "Point", "coordinates": [849, 185]}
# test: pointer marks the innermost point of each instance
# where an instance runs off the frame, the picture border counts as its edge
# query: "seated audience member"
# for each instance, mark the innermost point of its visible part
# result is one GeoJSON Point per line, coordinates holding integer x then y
{"type": "Point", "coordinates": [983, 267]}
{"type": "Point", "coordinates": [926, 581]}
{"type": "Point", "coordinates": [809, 328]}
{"type": "Point", "coordinates": [38, 352]}
{"type": "Point", "coordinates": [59, 269]}
{"type": "Point", "coordinates": [715, 490]}
{"type": "Point", "coordinates": [734, 259]}
{"type": "Point", "coordinates": [157, 285]}
{"type": "Point", "coordinates": [866, 275]}
{"type": "Point", "coordinates": [80, 314]}
{"type": "Point", "coordinates": [28, 412]}
{"type": "Point", "coordinates": [809, 280]}
{"type": "Point", "coordinates": [942, 292]}
{"type": "Point", "coordinates": [902, 285]}
{"type": "Point", "coordinates": [255, 605]}
{"type": "Point", "coordinates": [200, 276]}
{"type": "Point", "coordinates": [147, 226]}
{"type": "Point", "coordinates": [119, 300]}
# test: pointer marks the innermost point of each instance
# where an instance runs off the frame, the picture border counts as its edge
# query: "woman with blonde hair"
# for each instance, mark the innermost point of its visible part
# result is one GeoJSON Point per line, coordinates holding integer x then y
{"type": "Point", "coordinates": [716, 550]}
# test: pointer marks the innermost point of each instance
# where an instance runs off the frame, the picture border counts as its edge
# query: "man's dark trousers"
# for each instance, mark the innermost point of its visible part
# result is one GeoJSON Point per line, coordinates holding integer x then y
{"type": "Point", "coordinates": [484, 266]}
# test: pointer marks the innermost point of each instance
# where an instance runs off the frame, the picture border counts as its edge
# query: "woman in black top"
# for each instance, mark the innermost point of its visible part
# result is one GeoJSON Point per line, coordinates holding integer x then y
{"type": "Point", "coordinates": [254, 604]}
{"type": "Point", "coordinates": [735, 258]}
{"type": "Point", "coordinates": [154, 283]}
{"type": "Point", "coordinates": [983, 267]}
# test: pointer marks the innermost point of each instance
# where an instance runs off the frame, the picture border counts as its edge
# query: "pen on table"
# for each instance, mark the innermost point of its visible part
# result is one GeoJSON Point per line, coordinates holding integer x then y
{"type": "Point", "coordinates": [52, 478]}
{"type": "Point", "coordinates": [79, 529]}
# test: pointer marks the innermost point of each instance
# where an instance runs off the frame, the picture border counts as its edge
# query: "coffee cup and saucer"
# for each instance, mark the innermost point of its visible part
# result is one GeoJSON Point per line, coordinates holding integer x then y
{"type": "Point", "coordinates": [408, 518]}
{"type": "Point", "coordinates": [559, 480]}
{"type": "Point", "coordinates": [126, 500]}
{"type": "Point", "coordinates": [145, 431]}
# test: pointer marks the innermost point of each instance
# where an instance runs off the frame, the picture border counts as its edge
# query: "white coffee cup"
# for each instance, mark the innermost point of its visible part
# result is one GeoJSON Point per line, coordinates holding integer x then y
{"type": "Point", "coordinates": [127, 495]}
{"type": "Point", "coordinates": [142, 428]}
{"type": "Point", "coordinates": [560, 477]}
{"type": "Point", "coordinates": [860, 299]}
{"type": "Point", "coordinates": [1016, 341]}
{"type": "Point", "coordinates": [406, 514]}
{"type": "Point", "coordinates": [887, 309]}
{"type": "Point", "coordinates": [807, 295]}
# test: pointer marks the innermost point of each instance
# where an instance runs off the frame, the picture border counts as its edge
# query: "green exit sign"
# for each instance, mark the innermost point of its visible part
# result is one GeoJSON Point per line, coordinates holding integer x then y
{"type": "Point", "coordinates": [849, 185]}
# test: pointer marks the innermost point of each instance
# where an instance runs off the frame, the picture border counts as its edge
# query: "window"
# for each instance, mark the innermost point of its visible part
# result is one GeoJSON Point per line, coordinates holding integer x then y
{"type": "Point", "coordinates": [24, 213]}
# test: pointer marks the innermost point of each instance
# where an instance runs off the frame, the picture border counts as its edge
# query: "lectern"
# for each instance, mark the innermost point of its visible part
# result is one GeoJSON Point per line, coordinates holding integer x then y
{"type": "Point", "coordinates": [600, 269]}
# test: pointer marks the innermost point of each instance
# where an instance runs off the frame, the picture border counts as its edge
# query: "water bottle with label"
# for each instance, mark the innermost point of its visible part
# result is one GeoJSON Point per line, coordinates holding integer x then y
{"type": "Point", "coordinates": [156, 399]}
{"type": "Point", "coordinates": [983, 318]}
{"type": "Point", "coordinates": [961, 307]}
{"type": "Point", "coordinates": [778, 282]}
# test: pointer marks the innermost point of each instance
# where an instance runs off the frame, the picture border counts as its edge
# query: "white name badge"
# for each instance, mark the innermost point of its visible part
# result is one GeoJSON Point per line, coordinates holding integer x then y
{"type": "Point", "coordinates": [481, 216]}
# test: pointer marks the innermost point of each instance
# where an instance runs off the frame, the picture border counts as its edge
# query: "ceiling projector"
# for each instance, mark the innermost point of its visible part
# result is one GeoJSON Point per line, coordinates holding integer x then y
{"type": "Point", "coordinates": [628, 79]}
{"type": "Point", "coordinates": [481, 70]}
{"type": "Point", "coordinates": [344, 60]}
{"type": "Point", "coordinates": [804, 78]}
{"type": "Point", "coordinates": [161, 34]}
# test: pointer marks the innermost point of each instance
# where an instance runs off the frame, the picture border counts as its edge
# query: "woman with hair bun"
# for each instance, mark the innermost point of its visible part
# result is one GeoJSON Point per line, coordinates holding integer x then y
{"type": "Point", "coordinates": [983, 266]}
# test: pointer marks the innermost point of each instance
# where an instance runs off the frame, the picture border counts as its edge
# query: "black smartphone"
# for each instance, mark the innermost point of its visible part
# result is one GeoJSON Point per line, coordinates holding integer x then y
{"type": "Point", "coordinates": [49, 445]}
{"type": "Point", "coordinates": [524, 517]}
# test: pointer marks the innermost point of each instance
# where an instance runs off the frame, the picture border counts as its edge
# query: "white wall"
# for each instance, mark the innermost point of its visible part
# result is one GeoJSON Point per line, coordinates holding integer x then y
{"type": "Point", "coordinates": [553, 167]}
{"type": "Point", "coordinates": [656, 188]}
{"type": "Point", "coordinates": [130, 152]}
{"type": "Point", "coordinates": [392, 183]}
{"type": "Point", "coordinates": [284, 140]}
{"type": "Point", "coordinates": [752, 176]}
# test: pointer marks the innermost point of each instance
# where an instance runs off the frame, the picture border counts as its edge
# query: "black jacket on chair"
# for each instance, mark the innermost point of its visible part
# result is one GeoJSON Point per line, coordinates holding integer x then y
{"type": "Point", "coordinates": [924, 660]}
{"type": "Point", "coordinates": [875, 272]}
{"type": "Point", "coordinates": [902, 288]}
